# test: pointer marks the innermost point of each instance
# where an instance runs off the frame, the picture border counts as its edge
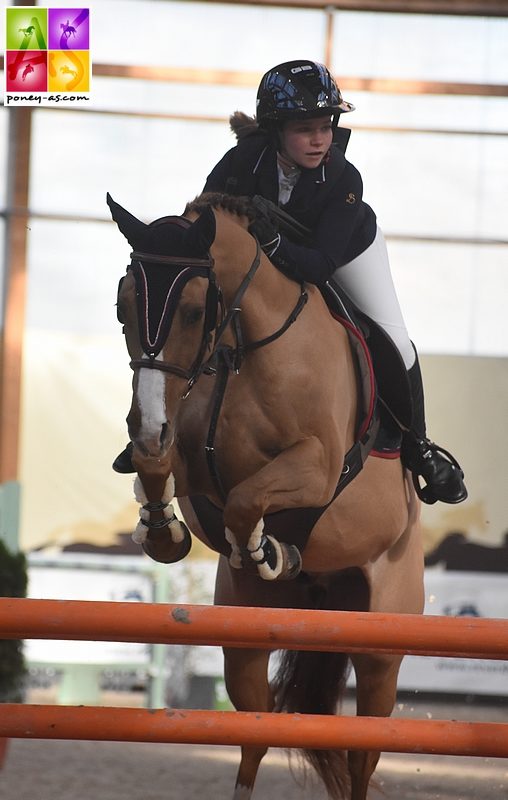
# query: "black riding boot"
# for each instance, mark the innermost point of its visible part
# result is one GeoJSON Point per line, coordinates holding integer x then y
{"type": "Point", "coordinates": [442, 474]}
{"type": "Point", "coordinates": [123, 462]}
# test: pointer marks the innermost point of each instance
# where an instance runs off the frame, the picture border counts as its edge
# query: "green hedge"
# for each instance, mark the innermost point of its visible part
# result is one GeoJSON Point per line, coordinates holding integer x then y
{"type": "Point", "coordinates": [13, 583]}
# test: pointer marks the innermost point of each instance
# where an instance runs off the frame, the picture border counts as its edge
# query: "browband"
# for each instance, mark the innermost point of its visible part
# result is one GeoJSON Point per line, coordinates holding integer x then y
{"type": "Point", "coordinates": [178, 261]}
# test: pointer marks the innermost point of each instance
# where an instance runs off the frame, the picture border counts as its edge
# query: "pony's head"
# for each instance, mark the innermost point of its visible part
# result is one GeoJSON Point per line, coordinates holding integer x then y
{"type": "Point", "coordinates": [169, 288]}
{"type": "Point", "coordinates": [172, 307]}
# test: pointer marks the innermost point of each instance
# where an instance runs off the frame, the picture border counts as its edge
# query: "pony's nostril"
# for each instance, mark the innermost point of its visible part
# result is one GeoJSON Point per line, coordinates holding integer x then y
{"type": "Point", "coordinates": [164, 433]}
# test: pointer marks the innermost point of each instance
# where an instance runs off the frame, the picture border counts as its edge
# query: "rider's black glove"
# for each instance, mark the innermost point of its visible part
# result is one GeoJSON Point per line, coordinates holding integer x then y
{"type": "Point", "coordinates": [266, 231]}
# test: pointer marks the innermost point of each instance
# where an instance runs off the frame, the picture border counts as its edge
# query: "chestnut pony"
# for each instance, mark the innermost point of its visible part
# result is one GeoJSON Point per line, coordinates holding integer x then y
{"type": "Point", "coordinates": [244, 405]}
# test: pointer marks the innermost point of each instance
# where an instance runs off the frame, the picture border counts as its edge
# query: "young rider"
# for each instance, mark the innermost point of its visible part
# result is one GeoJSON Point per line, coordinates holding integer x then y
{"type": "Point", "coordinates": [286, 156]}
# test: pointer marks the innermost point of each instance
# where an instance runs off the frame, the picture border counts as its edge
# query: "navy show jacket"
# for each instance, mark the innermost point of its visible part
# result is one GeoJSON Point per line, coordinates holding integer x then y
{"type": "Point", "coordinates": [326, 199]}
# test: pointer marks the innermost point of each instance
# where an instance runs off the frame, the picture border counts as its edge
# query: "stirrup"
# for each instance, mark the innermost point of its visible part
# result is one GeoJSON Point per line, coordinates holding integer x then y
{"type": "Point", "coordinates": [451, 488]}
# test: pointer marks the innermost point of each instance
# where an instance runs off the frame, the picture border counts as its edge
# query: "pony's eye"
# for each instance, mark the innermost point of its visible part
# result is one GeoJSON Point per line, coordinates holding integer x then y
{"type": "Point", "coordinates": [192, 315]}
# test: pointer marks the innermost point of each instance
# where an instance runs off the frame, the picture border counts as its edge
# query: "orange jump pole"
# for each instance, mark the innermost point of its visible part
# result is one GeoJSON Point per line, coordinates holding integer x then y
{"type": "Point", "coordinates": [252, 728]}
{"type": "Point", "coordinates": [271, 628]}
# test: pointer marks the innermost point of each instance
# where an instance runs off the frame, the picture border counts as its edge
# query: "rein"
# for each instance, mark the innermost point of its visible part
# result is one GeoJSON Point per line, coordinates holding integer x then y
{"type": "Point", "coordinates": [235, 355]}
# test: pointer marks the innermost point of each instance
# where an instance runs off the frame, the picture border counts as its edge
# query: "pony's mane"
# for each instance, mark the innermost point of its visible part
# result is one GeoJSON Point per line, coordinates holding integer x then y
{"type": "Point", "coordinates": [239, 205]}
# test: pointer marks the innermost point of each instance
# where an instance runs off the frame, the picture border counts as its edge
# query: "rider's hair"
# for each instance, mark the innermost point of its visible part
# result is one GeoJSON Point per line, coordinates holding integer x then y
{"type": "Point", "coordinates": [242, 125]}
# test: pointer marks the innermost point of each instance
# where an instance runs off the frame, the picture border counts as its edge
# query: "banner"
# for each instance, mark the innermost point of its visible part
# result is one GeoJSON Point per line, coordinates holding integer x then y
{"type": "Point", "coordinates": [88, 584]}
{"type": "Point", "coordinates": [460, 594]}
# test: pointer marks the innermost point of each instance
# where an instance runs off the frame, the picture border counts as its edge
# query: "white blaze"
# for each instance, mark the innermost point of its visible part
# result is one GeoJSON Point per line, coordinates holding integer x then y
{"type": "Point", "coordinates": [151, 401]}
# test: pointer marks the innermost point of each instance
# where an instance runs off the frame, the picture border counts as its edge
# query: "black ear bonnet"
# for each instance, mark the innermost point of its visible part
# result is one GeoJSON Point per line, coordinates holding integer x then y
{"type": "Point", "coordinates": [167, 254]}
{"type": "Point", "coordinates": [159, 283]}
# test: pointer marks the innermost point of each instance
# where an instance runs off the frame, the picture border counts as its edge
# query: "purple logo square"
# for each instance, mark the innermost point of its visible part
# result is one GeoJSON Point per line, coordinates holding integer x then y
{"type": "Point", "coordinates": [69, 28]}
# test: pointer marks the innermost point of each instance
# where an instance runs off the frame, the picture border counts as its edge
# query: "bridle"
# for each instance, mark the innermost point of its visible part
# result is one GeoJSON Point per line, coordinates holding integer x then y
{"type": "Point", "coordinates": [217, 318]}
{"type": "Point", "coordinates": [188, 268]}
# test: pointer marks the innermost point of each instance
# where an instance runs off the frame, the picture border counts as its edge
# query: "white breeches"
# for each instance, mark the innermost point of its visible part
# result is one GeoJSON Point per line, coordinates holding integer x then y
{"type": "Point", "coordinates": [367, 280]}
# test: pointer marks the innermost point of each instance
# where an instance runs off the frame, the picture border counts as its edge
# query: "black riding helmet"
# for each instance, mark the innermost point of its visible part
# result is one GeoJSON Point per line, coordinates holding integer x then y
{"type": "Point", "coordinates": [295, 89]}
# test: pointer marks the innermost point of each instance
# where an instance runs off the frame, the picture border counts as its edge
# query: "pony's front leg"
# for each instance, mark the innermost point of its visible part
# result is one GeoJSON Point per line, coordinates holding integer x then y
{"type": "Point", "coordinates": [162, 536]}
{"type": "Point", "coordinates": [301, 476]}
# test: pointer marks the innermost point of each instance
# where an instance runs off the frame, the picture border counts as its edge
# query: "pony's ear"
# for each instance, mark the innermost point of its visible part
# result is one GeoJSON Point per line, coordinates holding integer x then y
{"type": "Point", "coordinates": [133, 229]}
{"type": "Point", "coordinates": [201, 234]}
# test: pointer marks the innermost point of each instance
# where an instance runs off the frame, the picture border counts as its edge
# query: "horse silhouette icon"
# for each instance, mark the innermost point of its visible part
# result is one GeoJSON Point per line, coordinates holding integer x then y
{"type": "Point", "coordinates": [28, 69]}
{"type": "Point", "coordinates": [67, 29]}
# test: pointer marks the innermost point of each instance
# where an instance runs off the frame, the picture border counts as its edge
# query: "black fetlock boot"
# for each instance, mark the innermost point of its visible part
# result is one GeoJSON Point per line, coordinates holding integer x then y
{"type": "Point", "coordinates": [442, 474]}
{"type": "Point", "coordinates": [123, 462]}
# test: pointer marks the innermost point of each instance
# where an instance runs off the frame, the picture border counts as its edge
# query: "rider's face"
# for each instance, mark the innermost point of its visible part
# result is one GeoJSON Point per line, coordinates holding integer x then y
{"type": "Point", "coordinates": [307, 141]}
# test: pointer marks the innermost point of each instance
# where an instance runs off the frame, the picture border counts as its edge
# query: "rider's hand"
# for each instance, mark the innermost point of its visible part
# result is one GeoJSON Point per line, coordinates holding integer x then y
{"type": "Point", "coordinates": [266, 232]}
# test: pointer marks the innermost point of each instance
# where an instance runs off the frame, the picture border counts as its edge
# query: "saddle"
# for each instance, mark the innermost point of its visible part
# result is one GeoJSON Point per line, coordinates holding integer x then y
{"type": "Point", "coordinates": [393, 392]}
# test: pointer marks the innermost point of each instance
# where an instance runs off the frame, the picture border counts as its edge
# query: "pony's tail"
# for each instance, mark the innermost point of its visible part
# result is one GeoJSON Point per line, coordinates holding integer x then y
{"type": "Point", "coordinates": [314, 683]}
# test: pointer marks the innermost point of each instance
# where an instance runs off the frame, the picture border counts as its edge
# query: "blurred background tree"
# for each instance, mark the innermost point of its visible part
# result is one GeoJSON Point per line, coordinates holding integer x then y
{"type": "Point", "coordinates": [13, 583]}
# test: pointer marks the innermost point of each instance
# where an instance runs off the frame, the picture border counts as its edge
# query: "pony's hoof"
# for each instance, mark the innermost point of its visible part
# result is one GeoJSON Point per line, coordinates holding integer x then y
{"type": "Point", "coordinates": [280, 561]}
{"type": "Point", "coordinates": [292, 562]}
{"type": "Point", "coordinates": [164, 550]}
